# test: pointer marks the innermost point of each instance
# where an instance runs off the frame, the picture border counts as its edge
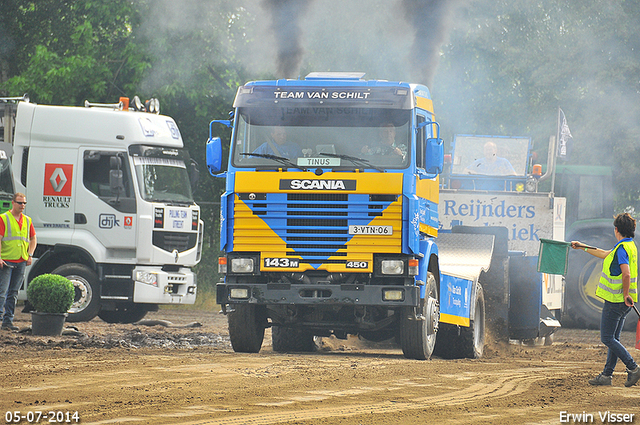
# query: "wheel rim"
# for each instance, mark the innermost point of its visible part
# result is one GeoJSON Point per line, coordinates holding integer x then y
{"type": "Point", "coordinates": [432, 312]}
{"type": "Point", "coordinates": [83, 293]}
{"type": "Point", "coordinates": [588, 282]}
{"type": "Point", "coordinates": [433, 316]}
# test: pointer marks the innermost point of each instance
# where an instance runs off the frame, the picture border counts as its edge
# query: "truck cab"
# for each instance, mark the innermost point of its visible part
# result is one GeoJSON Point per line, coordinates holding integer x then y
{"type": "Point", "coordinates": [109, 192]}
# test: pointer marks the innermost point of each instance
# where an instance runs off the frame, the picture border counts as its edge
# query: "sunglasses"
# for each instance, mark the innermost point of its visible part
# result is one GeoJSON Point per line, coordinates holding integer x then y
{"type": "Point", "coordinates": [20, 203]}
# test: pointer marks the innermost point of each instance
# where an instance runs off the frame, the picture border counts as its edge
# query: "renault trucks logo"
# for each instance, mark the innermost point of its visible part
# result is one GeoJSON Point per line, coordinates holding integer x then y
{"type": "Point", "coordinates": [297, 184]}
{"type": "Point", "coordinates": [57, 185]}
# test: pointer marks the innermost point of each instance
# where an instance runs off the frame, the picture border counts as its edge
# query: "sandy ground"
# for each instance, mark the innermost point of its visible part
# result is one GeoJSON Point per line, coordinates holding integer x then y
{"type": "Point", "coordinates": [133, 374]}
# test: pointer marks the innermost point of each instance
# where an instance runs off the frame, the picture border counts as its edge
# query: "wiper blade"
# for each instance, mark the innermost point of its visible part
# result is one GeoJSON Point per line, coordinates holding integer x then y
{"type": "Point", "coordinates": [280, 159]}
{"type": "Point", "coordinates": [171, 202]}
{"type": "Point", "coordinates": [357, 161]}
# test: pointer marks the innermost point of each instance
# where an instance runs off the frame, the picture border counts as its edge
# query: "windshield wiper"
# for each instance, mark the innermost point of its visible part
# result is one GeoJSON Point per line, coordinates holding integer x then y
{"type": "Point", "coordinates": [357, 161]}
{"type": "Point", "coordinates": [172, 202]}
{"type": "Point", "coordinates": [280, 159]}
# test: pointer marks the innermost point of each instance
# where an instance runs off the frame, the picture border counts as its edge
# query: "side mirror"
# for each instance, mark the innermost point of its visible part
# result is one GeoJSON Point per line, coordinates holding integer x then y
{"type": "Point", "coordinates": [434, 161]}
{"type": "Point", "coordinates": [116, 182]}
{"type": "Point", "coordinates": [194, 174]}
{"type": "Point", "coordinates": [116, 179]}
{"type": "Point", "coordinates": [214, 155]}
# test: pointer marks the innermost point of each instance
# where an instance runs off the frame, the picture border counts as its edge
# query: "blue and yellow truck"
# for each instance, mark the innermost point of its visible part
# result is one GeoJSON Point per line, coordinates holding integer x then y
{"type": "Point", "coordinates": [329, 221]}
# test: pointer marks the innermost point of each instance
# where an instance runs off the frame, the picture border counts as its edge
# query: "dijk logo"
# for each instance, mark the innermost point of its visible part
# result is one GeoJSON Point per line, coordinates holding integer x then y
{"type": "Point", "coordinates": [57, 179]}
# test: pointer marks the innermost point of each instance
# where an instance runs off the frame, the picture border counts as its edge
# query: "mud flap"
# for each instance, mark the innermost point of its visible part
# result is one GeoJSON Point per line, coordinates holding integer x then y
{"type": "Point", "coordinates": [525, 298]}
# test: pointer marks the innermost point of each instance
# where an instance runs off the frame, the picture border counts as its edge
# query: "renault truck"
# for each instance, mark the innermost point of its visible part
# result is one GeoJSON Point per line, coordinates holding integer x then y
{"type": "Point", "coordinates": [108, 188]}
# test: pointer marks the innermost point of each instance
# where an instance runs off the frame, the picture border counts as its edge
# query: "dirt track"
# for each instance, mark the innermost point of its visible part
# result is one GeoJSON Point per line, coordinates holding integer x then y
{"type": "Point", "coordinates": [165, 375]}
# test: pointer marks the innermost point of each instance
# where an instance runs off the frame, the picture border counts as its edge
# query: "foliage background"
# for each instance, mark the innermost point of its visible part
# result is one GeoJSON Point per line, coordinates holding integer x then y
{"type": "Point", "coordinates": [494, 67]}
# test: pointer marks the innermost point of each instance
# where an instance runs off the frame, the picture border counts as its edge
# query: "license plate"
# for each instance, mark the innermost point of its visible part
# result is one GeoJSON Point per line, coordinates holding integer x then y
{"type": "Point", "coordinates": [281, 262]}
{"type": "Point", "coordinates": [371, 230]}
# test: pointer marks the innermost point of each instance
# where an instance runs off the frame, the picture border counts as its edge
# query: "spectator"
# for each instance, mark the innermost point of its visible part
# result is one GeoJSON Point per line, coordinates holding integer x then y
{"type": "Point", "coordinates": [17, 244]}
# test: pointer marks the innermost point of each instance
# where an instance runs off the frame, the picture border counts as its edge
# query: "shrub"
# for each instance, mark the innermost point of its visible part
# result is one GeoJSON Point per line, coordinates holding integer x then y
{"type": "Point", "coordinates": [50, 293]}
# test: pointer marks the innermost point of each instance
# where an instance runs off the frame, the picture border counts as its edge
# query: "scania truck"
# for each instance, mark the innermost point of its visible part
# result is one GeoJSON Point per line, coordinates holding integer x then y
{"type": "Point", "coordinates": [330, 223]}
{"type": "Point", "coordinates": [109, 191]}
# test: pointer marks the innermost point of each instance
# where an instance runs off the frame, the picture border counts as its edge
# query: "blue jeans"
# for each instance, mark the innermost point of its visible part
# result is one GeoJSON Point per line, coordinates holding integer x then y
{"type": "Point", "coordinates": [611, 324]}
{"type": "Point", "coordinates": [10, 282]}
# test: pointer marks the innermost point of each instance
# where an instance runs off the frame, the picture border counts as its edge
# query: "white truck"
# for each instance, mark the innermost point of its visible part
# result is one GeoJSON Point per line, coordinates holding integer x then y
{"type": "Point", "coordinates": [109, 191]}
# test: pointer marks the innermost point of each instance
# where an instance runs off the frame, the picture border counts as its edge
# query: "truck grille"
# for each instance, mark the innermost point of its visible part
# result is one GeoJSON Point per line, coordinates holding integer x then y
{"type": "Point", "coordinates": [315, 227]}
{"type": "Point", "coordinates": [169, 241]}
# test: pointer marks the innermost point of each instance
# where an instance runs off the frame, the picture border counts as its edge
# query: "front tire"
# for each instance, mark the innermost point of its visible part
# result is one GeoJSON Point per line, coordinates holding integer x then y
{"type": "Point", "coordinates": [418, 335]}
{"type": "Point", "coordinates": [86, 301]}
{"type": "Point", "coordinates": [246, 327]}
{"type": "Point", "coordinates": [285, 340]}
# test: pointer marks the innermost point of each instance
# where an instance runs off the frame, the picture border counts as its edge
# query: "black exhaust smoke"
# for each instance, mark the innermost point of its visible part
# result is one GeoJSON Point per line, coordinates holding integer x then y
{"type": "Point", "coordinates": [285, 24]}
{"type": "Point", "coordinates": [431, 21]}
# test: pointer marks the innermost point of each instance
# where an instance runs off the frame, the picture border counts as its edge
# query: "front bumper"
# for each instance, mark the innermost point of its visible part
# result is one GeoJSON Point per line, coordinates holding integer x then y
{"type": "Point", "coordinates": [170, 288]}
{"type": "Point", "coordinates": [317, 294]}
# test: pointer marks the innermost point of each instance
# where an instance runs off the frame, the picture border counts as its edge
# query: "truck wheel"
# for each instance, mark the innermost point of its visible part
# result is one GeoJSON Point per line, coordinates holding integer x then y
{"type": "Point", "coordinates": [284, 340]}
{"type": "Point", "coordinates": [86, 301]}
{"type": "Point", "coordinates": [472, 338]}
{"type": "Point", "coordinates": [246, 327]}
{"type": "Point", "coordinates": [130, 313]}
{"type": "Point", "coordinates": [418, 337]}
{"type": "Point", "coordinates": [582, 306]}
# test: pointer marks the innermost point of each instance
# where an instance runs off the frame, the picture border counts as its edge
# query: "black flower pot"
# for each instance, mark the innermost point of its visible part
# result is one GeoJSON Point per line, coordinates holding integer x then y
{"type": "Point", "coordinates": [47, 324]}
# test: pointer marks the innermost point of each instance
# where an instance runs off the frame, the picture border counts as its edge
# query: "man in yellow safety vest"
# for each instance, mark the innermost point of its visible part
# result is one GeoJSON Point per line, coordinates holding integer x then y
{"type": "Point", "coordinates": [17, 245]}
{"type": "Point", "coordinates": [618, 287]}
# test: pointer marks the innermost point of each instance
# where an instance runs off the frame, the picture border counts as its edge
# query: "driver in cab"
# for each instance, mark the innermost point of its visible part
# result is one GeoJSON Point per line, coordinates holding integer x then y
{"type": "Point", "coordinates": [387, 144]}
{"type": "Point", "coordinates": [279, 146]}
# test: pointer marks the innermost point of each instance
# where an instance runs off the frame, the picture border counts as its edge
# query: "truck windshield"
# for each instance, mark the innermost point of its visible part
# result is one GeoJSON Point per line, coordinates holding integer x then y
{"type": "Point", "coordinates": [322, 136]}
{"type": "Point", "coordinates": [162, 174]}
{"type": "Point", "coordinates": [490, 156]}
{"type": "Point", "coordinates": [6, 180]}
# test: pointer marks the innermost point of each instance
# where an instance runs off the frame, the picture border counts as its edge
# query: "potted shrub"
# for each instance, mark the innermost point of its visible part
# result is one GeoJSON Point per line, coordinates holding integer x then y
{"type": "Point", "coordinates": [51, 296]}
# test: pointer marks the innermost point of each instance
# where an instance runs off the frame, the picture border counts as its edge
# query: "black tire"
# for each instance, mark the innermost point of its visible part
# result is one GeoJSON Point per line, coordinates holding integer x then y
{"type": "Point", "coordinates": [286, 340]}
{"type": "Point", "coordinates": [418, 337]}
{"type": "Point", "coordinates": [472, 339]}
{"type": "Point", "coordinates": [246, 327]}
{"type": "Point", "coordinates": [583, 308]}
{"type": "Point", "coordinates": [86, 301]}
{"type": "Point", "coordinates": [129, 313]}
{"type": "Point", "coordinates": [455, 342]}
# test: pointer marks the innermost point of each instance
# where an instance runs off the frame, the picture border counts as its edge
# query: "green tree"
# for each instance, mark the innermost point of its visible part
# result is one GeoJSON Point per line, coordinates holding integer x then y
{"type": "Point", "coordinates": [66, 51]}
{"type": "Point", "coordinates": [511, 65]}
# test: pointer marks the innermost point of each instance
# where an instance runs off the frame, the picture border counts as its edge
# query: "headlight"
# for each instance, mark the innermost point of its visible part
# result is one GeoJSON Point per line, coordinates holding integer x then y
{"type": "Point", "coordinates": [392, 267]}
{"type": "Point", "coordinates": [147, 277]}
{"type": "Point", "coordinates": [242, 265]}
